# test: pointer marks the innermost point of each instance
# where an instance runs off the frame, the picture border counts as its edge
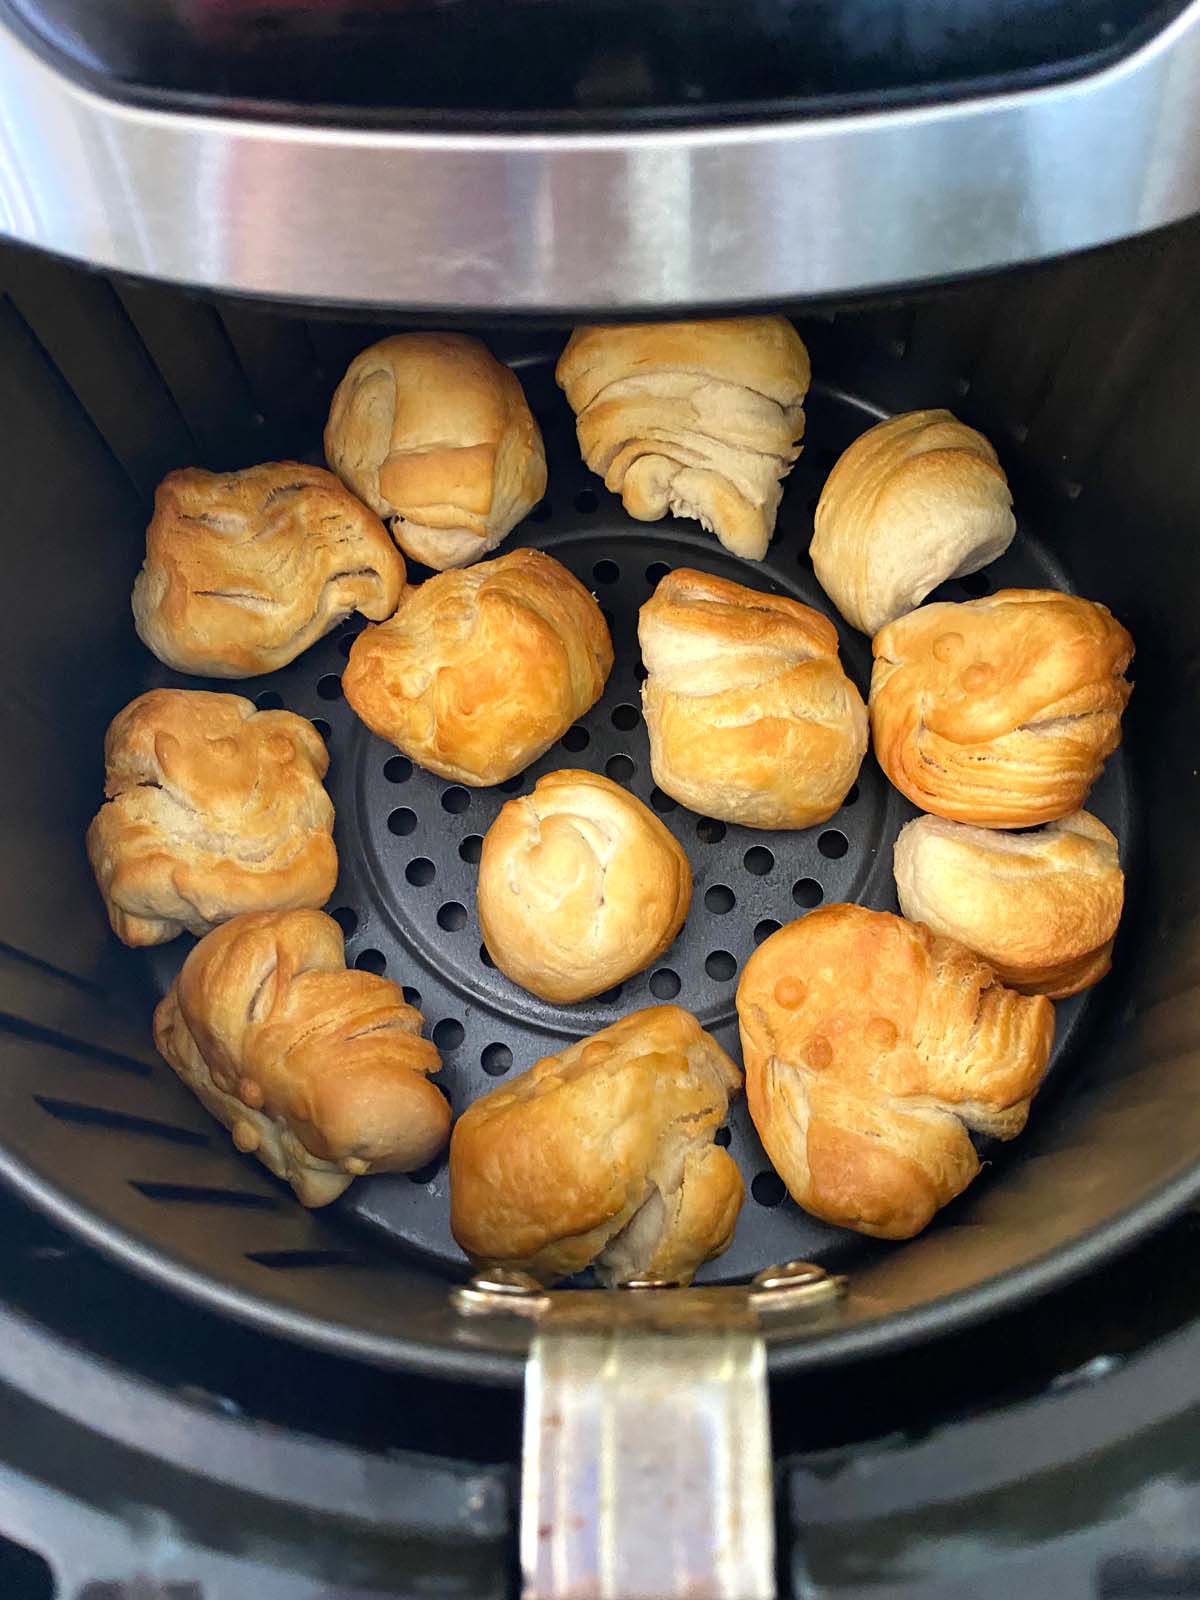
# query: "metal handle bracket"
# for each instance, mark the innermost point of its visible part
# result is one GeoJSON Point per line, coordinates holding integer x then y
{"type": "Point", "coordinates": [647, 1465]}
{"type": "Point", "coordinates": [647, 1452]}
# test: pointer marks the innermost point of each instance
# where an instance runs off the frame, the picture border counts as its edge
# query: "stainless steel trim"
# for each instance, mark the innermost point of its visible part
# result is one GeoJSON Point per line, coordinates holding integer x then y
{"type": "Point", "coordinates": [740, 214]}
{"type": "Point", "coordinates": [647, 1465]}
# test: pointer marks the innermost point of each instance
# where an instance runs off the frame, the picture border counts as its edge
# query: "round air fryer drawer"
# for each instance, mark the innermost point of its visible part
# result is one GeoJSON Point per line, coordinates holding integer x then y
{"type": "Point", "coordinates": [409, 842]}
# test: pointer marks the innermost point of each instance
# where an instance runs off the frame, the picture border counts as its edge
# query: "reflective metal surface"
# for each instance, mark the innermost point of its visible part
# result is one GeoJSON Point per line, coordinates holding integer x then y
{"type": "Point", "coordinates": [647, 1472]}
{"type": "Point", "coordinates": [759, 213]}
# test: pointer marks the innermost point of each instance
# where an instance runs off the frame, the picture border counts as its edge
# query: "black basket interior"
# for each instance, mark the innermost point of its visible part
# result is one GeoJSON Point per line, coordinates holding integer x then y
{"type": "Point", "coordinates": [1081, 374]}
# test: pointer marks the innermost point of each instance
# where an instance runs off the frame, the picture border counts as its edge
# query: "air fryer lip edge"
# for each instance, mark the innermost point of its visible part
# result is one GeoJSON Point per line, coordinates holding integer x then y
{"type": "Point", "coordinates": [886, 1335]}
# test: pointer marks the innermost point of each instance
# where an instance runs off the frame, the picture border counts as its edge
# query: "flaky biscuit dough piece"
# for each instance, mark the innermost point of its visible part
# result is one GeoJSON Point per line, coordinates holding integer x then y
{"type": "Point", "coordinates": [214, 808]}
{"type": "Point", "coordinates": [437, 437]}
{"type": "Point", "coordinates": [580, 886]}
{"type": "Point", "coordinates": [319, 1071]}
{"type": "Point", "coordinates": [700, 419]}
{"type": "Point", "coordinates": [1041, 908]}
{"type": "Point", "coordinates": [603, 1155]}
{"type": "Point", "coordinates": [1000, 712]}
{"type": "Point", "coordinates": [480, 671]}
{"type": "Point", "coordinates": [871, 1047]}
{"type": "Point", "coordinates": [751, 716]}
{"type": "Point", "coordinates": [913, 501]}
{"type": "Point", "coordinates": [245, 570]}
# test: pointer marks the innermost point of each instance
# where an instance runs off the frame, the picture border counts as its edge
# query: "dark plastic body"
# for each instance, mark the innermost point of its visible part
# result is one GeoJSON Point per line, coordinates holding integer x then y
{"type": "Point", "coordinates": [536, 61]}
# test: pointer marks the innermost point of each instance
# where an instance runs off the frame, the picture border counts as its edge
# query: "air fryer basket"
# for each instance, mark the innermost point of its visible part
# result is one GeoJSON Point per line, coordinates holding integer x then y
{"type": "Point", "coordinates": [1082, 374]}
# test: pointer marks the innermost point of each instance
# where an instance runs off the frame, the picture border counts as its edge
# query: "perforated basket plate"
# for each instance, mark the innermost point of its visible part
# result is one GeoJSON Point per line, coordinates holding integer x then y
{"type": "Point", "coordinates": [408, 842]}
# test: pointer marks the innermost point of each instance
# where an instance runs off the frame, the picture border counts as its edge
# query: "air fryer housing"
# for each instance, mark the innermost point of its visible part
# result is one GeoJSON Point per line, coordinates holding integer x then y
{"type": "Point", "coordinates": [247, 249]}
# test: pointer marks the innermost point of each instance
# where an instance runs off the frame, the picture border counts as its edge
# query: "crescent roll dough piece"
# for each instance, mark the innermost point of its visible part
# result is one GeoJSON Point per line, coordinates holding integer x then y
{"type": "Point", "coordinates": [914, 501]}
{"type": "Point", "coordinates": [245, 570]}
{"type": "Point", "coordinates": [871, 1047]}
{"type": "Point", "coordinates": [479, 672]}
{"type": "Point", "coordinates": [1041, 908]}
{"type": "Point", "coordinates": [437, 437]}
{"type": "Point", "coordinates": [702, 419]}
{"type": "Point", "coordinates": [580, 885]}
{"type": "Point", "coordinates": [603, 1155]}
{"type": "Point", "coordinates": [751, 717]}
{"type": "Point", "coordinates": [320, 1071]}
{"type": "Point", "coordinates": [213, 808]}
{"type": "Point", "coordinates": [1000, 711]}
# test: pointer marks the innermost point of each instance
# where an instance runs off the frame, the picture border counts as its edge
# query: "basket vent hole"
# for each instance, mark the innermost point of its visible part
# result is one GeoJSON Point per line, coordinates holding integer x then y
{"type": "Point", "coordinates": [290, 1260]}
{"type": "Point", "coordinates": [764, 929]}
{"type": "Point", "coordinates": [449, 1034]}
{"type": "Point", "coordinates": [722, 1137]}
{"type": "Point", "coordinates": [720, 965]}
{"type": "Point", "coordinates": [346, 919]}
{"type": "Point", "coordinates": [710, 831]}
{"type": "Point", "coordinates": [833, 845]}
{"type": "Point", "coordinates": [412, 997]}
{"type": "Point", "coordinates": [586, 501]}
{"type": "Point", "coordinates": [656, 572]}
{"type": "Point", "coordinates": [852, 798]}
{"type": "Point", "coordinates": [269, 700]}
{"type": "Point", "coordinates": [976, 584]}
{"type": "Point", "coordinates": [542, 512]}
{"type": "Point", "coordinates": [758, 860]}
{"type": "Point", "coordinates": [807, 892]}
{"type": "Point", "coordinates": [620, 768]}
{"type": "Point", "coordinates": [202, 1195]}
{"type": "Point", "coordinates": [496, 1059]}
{"type": "Point", "coordinates": [402, 822]}
{"type": "Point", "coordinates": [371, 961]}
{"type": "Point", "coordinates": [605, 571]}
{"type": "Point", "coordinates": [26, 1576]}
{"type": "Point", "coordinates": [322, 728]}
{"type": "Point", "coordinates": [624, 718]}
{"type": "Point", "coordinates": [512, 785]}
{"type": "Point", "coordinates": [456, 800]}
{"type": "Point", "coordinates": [767, 1189]}
{"type": "Point", "coordinates": [420, 872]}
{"type": "Point", "coordinates": [664, 984]}
{"type": "Point", "coordinates": [398, 769]}
{"type": "Point", "coordinates": [100, 1117]}
{"type": "Point", "coordinates": [471, 848]}
{"type": "Point", "coordinates": [452, 917]}
{"type": "Point", "coordinates": [720, 899]}
{"type": "Point", "coordinates": [662, 802]}
{"type": "Point", "coordinates": [330, 686]}
{"type": "Point", "coordinates": [576, 739]}
{"type": "Point", "coordinates": [610, 996]}
{"type": "Point", "coordinates": [485, 957]}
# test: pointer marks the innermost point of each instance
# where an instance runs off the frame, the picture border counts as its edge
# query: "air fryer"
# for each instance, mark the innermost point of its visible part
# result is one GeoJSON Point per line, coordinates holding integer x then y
{"type": "Point", "coordinates": [1082, 373]}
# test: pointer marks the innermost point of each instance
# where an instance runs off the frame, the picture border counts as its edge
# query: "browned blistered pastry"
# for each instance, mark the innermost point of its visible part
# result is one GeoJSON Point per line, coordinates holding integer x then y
{"type": "Point", "coordinates": [1000, 712]}
{"type": "Point", "coordinates": [915, 500]}
{"type": "Point", "coordinates": [603, 1156]}
{"type": "Point", "coordinates": [319, 1071]}
{"type": "Point", "coordinates": [1041, 908]}
{"type": "Point", "coordinates": [480, 671]}
{"type": "Point", "coordinates": [436, 436]}
{"type": "Point", "coordinates": [699, 419]}
{"type": "Point", "coordinates": [580, 886]}
{"type": "Point", "coordinates": [751, 717]}
{"type": "Point", "coordinates": [871, 1049]}
{"type": "Point", "coordinates": [245, 570]}
{"type": "Point", "coordinates": [213, 808]}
